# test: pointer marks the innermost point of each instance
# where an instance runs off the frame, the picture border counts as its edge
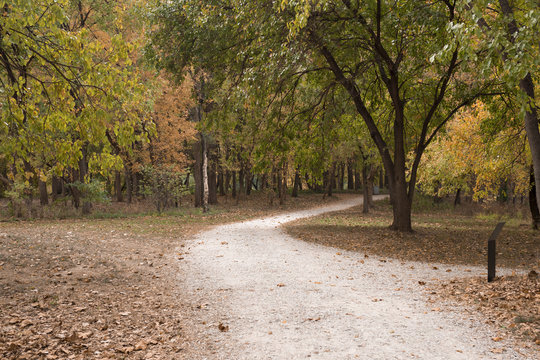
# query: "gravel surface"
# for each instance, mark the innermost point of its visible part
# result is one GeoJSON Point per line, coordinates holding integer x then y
{"type": "Point", "coordinates": [257, 293]}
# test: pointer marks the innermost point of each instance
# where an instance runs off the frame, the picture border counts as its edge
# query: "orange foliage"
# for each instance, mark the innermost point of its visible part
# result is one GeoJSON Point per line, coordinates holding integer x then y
{"type": "Point", "coordinates": [173, 128]}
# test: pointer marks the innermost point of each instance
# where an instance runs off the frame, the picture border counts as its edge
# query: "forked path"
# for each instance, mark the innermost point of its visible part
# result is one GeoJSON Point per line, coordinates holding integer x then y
{"type": "Point", "coordinates": [261, 294]}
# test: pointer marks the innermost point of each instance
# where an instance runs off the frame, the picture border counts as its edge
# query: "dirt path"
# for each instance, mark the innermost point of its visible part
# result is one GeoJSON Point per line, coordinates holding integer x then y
{"type": "Point", "coordinates": [260, 294]}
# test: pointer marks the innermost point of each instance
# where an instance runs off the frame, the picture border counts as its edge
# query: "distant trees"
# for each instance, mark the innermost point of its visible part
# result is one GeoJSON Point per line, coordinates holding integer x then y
{"type": "Point", "coordinates": [273, 96]}
{"type": "Point", "coordinates": [472, 159]}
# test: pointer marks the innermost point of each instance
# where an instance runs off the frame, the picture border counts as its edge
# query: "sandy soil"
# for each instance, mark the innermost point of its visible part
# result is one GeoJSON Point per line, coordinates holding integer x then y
{"type": "Point", "coordinates": [258, 293]}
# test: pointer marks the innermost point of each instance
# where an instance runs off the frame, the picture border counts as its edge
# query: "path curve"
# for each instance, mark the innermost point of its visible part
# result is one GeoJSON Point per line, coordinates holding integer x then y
{"type": "Point", "coordinates": [277, 297]}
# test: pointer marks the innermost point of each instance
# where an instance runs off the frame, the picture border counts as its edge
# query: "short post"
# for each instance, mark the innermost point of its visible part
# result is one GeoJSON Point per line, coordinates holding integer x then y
{"type": "Point", "coordinates": [492, 251]}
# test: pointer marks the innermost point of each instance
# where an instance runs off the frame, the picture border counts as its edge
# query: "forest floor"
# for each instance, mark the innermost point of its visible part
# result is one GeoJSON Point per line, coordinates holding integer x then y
{"type": "Point", "coordinates": [444, 235]}
{"type": "Point", "coordinates": [107, 286]}
{"type": "Point", "coordinates": [102, 287]}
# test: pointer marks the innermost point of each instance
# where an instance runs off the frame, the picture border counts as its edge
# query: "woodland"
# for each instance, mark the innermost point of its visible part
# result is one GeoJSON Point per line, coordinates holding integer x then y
{"type": "Point", "coordinates": [222, 110]}
{"type": "Point", "coordinates": [156, 100]}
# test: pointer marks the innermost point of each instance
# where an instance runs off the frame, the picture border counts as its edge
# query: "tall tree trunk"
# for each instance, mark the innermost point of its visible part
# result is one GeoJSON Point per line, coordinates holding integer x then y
{"type": "Point", "coordinates": [264, 181]}
{"type": "Point", "coordinates": [284, 177]}
{"type": "Point", "coordinates": [370, 180]}
{"type": "Point", "coordinates": [350, 175]}
{"type": "Point", "coordinates": [43, 195]}
{"type": "Point", "coordinates": [83, 171]}
{"type": "Point", "coordinates": [135, 183]}
{"type": "Point", "coordinates": [401, 206]}
{"type": "Point", "coordinates": [365, 191]}
{"type": "Point", "coordinates": [227, 181]}
{"type": "Point", "coordinates": [533, 204]}
{"type": "Point", "coordinates": [56, 184]}
{"type": "Point", "coordinates": [233, 175]}
{"type": "Point", "coordinates": [241, 181]}
{"type": "Point", "coordinates": [279, 178]}
{"type": "Point", "coordinates": [197, 174]}
{"type": "Point", "coordinates": [212, 184]}
{"type": "Point", "coordinates": [221, 182]}
{"type": "Point", "coordinates": [341, 176]}
{"type": "Point", "coordinates": [296, 185]}
{"type": "Point", "coordinates": [204, 173]}
{"type": "Point", "coordinates": [357, 180]}
{"type": "Point", "coordinates": [249, 182]}
{"type": "Point", "coordinates": [457, 199]}
{"type": "Point", "coordinates": [118, 186]}
{"type": "Point", "coordinates": [331, 182]}
{"type": "Point", "coordinates": [129, 187]}
{"type": "Point", "coordinates": [333, 178]}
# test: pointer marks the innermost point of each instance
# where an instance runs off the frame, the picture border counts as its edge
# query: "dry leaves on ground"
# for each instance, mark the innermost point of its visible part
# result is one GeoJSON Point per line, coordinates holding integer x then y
{"type": "Point", "coordinates": [512, 303]}
{"type": "Point", "coordinates": [104, 289]}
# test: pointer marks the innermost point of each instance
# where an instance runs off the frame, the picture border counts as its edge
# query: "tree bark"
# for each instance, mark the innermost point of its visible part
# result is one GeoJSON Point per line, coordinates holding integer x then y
{"type": "Point", "coordinates": [341, 176]}
{"type": "Point", "coordinates": [249, 182]}
{"type": "Point", "coordinates": [283, 191]}
{"type": "Point", "coordinates": [350, 175]}
{"type": "Point", "coordinates": [457, 199]}
{"type": "Point", "coordinates": [227, 181]}
{"type": "Point", "coordinates": [279, 178]}
{"type": "Point", "coordinates": [212, 184]}
{"type": "Point", "coordinates": [56, 184]}
{"type": "Point", "coordinates": [135, 183]}
{"type": "Point", "coordinates": [233, 175]}
{"type": "Point", "coordinates": [83, 171]}
{"type": "Point", "coordinates": [221, 182]}
{"type": "Point", "coordinates": [197, 174]}
{"type": "Point", "coordinates": [370, 183]}
{"type": "Point", "coordinates": [531, 128]}
{"type": "Point", "coordinates": [296, 185]}
{"type": "Point", "coordinates": [401, 207]}
{"type": "Point", "coordinates": [264, 181]}
{"type": "Point", "coordinates": [533, 204]}
{"type": "Point", "coordinates": [365, 190]}
{"type": "Point", "coordinates": [204, 173]}
{"type": "Point", "coordinates": [118, 186]}
{"type": "Point", "coordinates": [129, 187]}
{"type": "Point", "coordinates": [330, 183]}
{"type": "Point", "coordinates": [43, 195]}
{"type": "Point", "coordinates": [357, 181]}
{"type": "Point", "coordinates": [241, 181]}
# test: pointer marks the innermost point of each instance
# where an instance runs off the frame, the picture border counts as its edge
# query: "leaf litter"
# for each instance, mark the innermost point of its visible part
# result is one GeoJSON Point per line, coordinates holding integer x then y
{"type": "Point", "coordinates": [104, 289]}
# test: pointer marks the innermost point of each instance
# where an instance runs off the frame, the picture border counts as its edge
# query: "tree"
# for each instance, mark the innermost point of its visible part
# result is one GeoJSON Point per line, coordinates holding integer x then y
{"type": "Point", "coordinates": [477, 157]}
{"type": "Point", "coordinates": [71, 99]}
{"type": "Point", "coordinates": [509, 31]}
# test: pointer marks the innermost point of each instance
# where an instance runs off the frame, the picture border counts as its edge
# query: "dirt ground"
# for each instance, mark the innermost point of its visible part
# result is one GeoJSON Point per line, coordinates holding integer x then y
{"type": "Point", "coordinates": [103, 288]}
{"type": "Point", "coordinates": [444, 235]}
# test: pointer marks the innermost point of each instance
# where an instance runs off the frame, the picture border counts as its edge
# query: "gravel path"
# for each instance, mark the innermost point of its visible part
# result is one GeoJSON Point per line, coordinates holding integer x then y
{"type": "Point", "coordinates": [275, 297]}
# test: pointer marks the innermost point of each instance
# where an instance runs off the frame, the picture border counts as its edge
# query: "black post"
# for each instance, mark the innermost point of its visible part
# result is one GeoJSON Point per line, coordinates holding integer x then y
{"type": "Point", "coordinates": [492, 252]}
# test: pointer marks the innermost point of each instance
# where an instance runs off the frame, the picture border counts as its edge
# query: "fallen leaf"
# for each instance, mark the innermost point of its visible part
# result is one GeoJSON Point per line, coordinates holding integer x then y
{"type": "Point", "coordinates": [141, 345]}
{"type": "Point", "coordinates": [26, 323]}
